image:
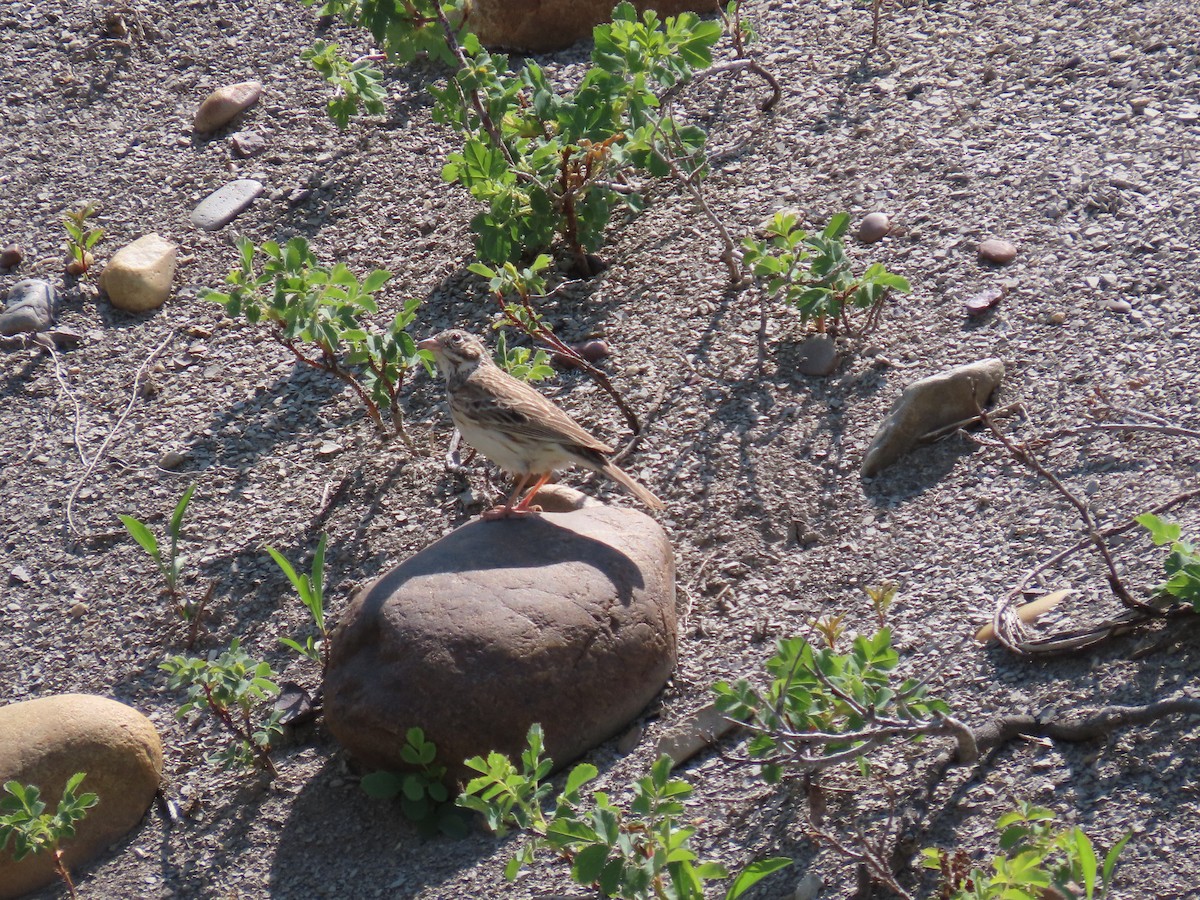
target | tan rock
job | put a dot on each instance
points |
(537, 25)
(44, 742)
(929, 404)
(997, 251)
(138, 277)
(222, 105)
(566, 619)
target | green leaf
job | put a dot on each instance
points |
(180, 509)
(579, 776)
(142, 535)
(589, 863)
(1085, 855)
(381, 785)
(375, 281)
(1110, 860)
(1161, 531)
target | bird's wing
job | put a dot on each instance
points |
(520, 410)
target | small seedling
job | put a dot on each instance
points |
(81, 238)
(638, 851)
(234, 688)
(424, 798)
(1182, 565)
(311, 588)
(813, 274)
(1036, 859)
(831, 629)
(25, 822)
(882, 598)
(521, 362)
(170, 566)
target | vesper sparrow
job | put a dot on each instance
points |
(514, 426)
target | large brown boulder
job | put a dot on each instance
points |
(44, 742)
(538, 25)
(567, 619)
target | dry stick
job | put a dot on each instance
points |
(873, 859)
(533, 327)
(691, 183)
(49, 345)
(939, 433)
(103, 448)
(1087, 726)
(1027, 459)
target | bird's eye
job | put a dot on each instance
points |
(456, 338)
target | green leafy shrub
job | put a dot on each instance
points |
(25, 823)
(424, 797)
(523, 363)
(1182, 564)
(1036, 859)
(543, 160)
(235, 689)
(305, 303)
(170, 564)
(822, 708)
(355, 83)
(639, 852)
(814, 274)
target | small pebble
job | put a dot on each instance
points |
(172, 459)
(1114, 305)
(329, 448)
(11, 256)
(874, 227)
(247, 143)
(78, 610)
(76, 267)
(1057, 318)
(983, 301)
(997, 251)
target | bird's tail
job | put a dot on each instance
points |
(627, 481)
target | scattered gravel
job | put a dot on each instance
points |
(1072, 130)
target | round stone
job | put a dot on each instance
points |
(997, 251)
(566, 619)
(874, 227)
(44, 742)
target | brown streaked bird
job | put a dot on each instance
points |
(514, 426)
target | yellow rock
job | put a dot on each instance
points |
(138, 277)
(44, 742)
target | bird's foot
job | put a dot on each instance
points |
(509, 512)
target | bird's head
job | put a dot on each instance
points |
(457, 353)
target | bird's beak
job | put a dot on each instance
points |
(431, 344)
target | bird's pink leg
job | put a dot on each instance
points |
(523, 506)
(506, 509)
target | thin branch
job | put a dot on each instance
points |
(49, 345)
(1023, 455)
(103, 448)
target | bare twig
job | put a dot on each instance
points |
(1024, 456)
(49, 346)
(103, 448)
(1086, 726)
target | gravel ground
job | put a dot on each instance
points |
(1071, 129)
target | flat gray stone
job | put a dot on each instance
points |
(30, 307)
(224, 205)
(929, 404)
(566, 619)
